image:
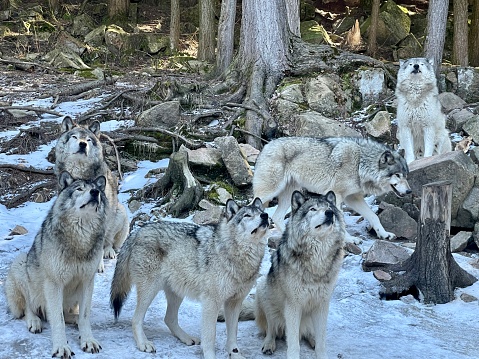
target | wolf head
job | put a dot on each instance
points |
(418, 70)
(78, 141)
(81, 196)
(250, 220)
(314, 214)
(393, 169)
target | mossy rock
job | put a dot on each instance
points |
(314, 33)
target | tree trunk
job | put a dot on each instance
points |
(226, 31)
(175, 25)
(118, 8)
(460, 55)
(54, 6)
(206, 41)
(436, 31)
(373, 29)
(292, 9)
(263, 57)
(431, 269)
(474, 35)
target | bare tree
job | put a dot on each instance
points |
(474, 35)
(118, 8)
(373, 28)
(206, 41)
(436, 31)
(175, 25)
(226, 31)
(460, 52)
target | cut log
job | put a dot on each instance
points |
(178, 185)
(431, 269)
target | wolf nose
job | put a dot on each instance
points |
(416, 67)
(329, 214)
(94, 193)
(264, 215)
(408, 191)
(82, 145)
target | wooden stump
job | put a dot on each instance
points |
(177, 185)
(431, 269)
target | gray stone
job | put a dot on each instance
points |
(468, 213)
(397, 221)
(313, 124)
(211, 215)
(166, 115)
(471, 127)
(380, 125)
(96, 37)
(468, 83)
(249, 152)
(18, 231)
(450, 101)
(205, 156)
(458, 118)
(468, 298)
(460, 241)
(384, 253)
(407, 48)
(292, 93)
(323, 94)
(82, 25)
(371, 85)
(235, 161)
(223, 195)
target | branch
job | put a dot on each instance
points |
(26, 169)
(35, 109)
(189, 143)
(118, 163)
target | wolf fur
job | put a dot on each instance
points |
(293, 299)
(79, 151)
(217, 265)
(57, 273)
(421, 123)
(351, 167)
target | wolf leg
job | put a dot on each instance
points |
(171, 318)
(54, 308)
(292, 316)
(34, 323)
(284, 202)
(210, 309)
(357, 203)
(320, 318)
(232, 310)
(87, 342)
(429, 140)
(406, 141)
(145, 295)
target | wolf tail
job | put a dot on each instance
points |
(121, 282)
(16, 302)
(247, 311)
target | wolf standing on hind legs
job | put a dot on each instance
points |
(351, 167)
(421, 123)
(79, 151)
(217, 265)
(57, 273)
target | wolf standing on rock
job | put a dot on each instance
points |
(79, 151)
(421, 123)
(57, 274)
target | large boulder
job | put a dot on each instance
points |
(234, 160)
(166, 115)
(313, 124)
(468, 83)
(325, 95)
(371, 83)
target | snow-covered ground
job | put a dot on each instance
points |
(360, 325)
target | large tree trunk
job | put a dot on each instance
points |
(474, 35)
(460, 55)
(226, 31)
(175, 25)
(292, 9)
(263, 57)
(373, 28)
(118, 8)
(206, 41)
(436, 31)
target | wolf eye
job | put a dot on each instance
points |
(313, 209)
(247, 215)
(75, 137)
(89, 139)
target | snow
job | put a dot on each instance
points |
(360, 325)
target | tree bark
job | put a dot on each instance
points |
(292, 9)
(226, 31)
(118, 8)
(431, 269)
(460, 55)
(474, 35)
(436, 31)
(206, 41)
(373, 29)
(175, 25)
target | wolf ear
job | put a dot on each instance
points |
(101, 182)
(297, 200)
(258, 204)
(430, 60)
(402, 153)
(65, 180)
(95, 128)
(331, 197)
(401, 62)
(67, 124)
(387, 158)
(231, 209)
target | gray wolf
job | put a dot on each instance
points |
(421, 123)
(216, 264)
(351, 167)
(293, 299)
(56, 276)
(79, 151)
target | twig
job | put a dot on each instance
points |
(235, 128)
(189, 143)
(35, 109)
(118, 163)
(23, 63)
(26, 194)
(258, 110)
(26, 169)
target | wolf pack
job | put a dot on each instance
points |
(219, 264)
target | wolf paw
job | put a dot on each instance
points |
(191, 341)
(269, 347)
(101, 267)
(235, 354)
(63, 352)
(147, 347)
(109, 253)
(352, 239)
(382, 234)
(34, 325)
(90, 345)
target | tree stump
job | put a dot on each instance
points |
(431, 269)
(177, 185)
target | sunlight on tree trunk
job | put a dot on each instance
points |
(206, 40)
(175, 25)
(292, 9)
(436, 31)
(373, 29)
(474, 35)
(226, 33)
(460, 46)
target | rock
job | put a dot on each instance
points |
(381, 275)
(82, 25)
(154, 42)
(450, 101)
(223, 195)
(469, 209)
(468, 83)
(380, 125)
(205, 156)
(18, 231)
(166, 115)
(66, 41)
(292, 92)
(58, 59)
(458, 118)
(372, 85)
(211, 215)
(249, 152)
(134, 205)
(116, 40)
(384, 253)
(21, 113)
(96, 37)
(324, 95)
(467, 298)
(397, 221)
(407, 48)
(313, 124)
(314, 33)
(471, 127)
(352, 248)
(460, 241)
(235, 161)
